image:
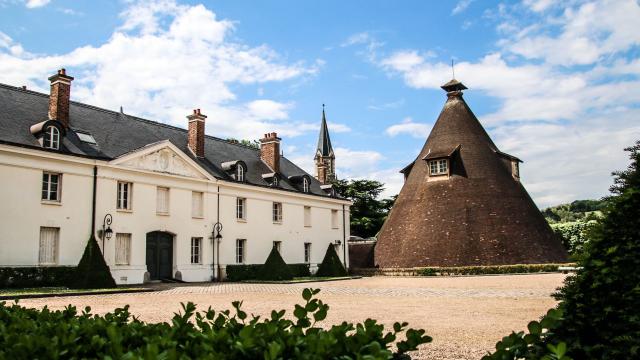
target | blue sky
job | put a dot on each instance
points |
(554, 82)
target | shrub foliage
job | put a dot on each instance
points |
(598, 316)
(92, 271)
(331, 265)
(495, 269)
(236, 272)
(275, 268)
(40, 276)
(45, 334)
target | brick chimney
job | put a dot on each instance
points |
(59, 97)
(196, 132)
(270, 151)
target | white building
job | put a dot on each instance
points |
(65, 165)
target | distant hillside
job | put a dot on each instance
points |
(579, 210)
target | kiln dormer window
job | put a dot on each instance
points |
(439, 167)
(240, 173)
(51, 138)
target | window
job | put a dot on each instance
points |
(334, 219)
(307, 216)
(49, 238)
(439, 167)
(124, 195)
(276, 245)
(277, 212)
(307, 252)
(241, 208)
(240, 172)
(305, 185)
(275, 181)
(240, 250)
(51, 138)
(515, 169)
(51, 186)
(196, 250)
(197, 204)
(88, 138)
(123, 249)
(162, 200)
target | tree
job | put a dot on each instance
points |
(368, 213)
(597, 317)
(275, 268)
(254, 144)
(92, 271)
(331, 265)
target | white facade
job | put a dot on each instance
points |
(24, 216)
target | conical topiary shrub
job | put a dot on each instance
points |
(331, 264)
(92, 271)
(275, 268)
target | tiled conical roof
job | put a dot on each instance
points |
(479, 214)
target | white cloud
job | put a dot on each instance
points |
(368, 42)
(353, 163)
(461, 6)
(178, 57)
(539, 5)
(32, 4)
(358, 38)
(338, 128)
(385, 106)
(408, 127)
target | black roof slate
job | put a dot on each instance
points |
(117, 133)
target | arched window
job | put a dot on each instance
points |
(240, 173)
(51, 138)
(275, 180)
(305, 185)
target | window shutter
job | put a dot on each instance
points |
(162, 205)
(48, 245)
(123, 248)
(196, 204)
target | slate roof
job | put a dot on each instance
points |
(117, 133)
(480, 215)
(324, 142)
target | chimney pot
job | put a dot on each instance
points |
(196, 132)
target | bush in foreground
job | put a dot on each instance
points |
(275, 268)
(331, 264)
(45, 334)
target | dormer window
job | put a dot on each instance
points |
(439, 167)
(305, 185)
(240, 173)
(51, 138)
(275, 181)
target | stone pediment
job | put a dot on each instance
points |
(166, 159)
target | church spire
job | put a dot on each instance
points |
(325, 158)
(324, 142)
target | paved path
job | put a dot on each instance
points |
(464, 315)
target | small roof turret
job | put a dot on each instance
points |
(453, 85)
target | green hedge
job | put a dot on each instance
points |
(274, 268)
(496, 269)
(27, 333)
(42, 276)
(331, 264)
(251, 271)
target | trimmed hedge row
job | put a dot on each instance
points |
(495, 269)
(42, 276)
(251, 271)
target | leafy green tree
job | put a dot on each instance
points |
(368, 212)
(255, 144)
(597, 317)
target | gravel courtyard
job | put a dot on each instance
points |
(464, 315)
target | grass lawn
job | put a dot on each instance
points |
(59, 290)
